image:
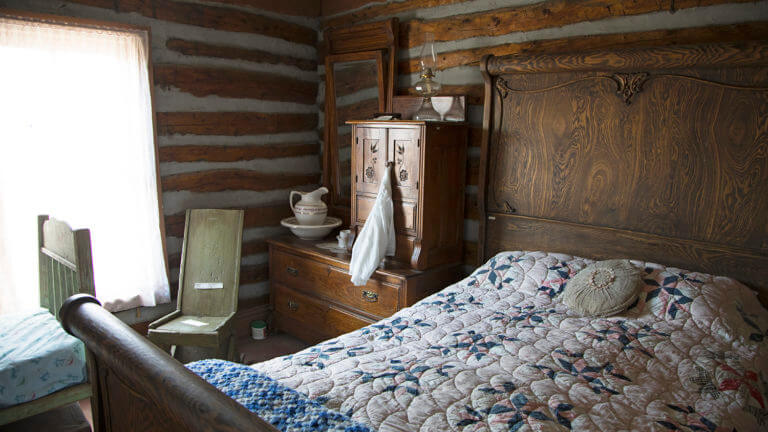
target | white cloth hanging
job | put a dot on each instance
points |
(377, 238)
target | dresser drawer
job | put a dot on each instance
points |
(376, 298)
(320, 317)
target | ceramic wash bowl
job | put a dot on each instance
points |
(311, 232)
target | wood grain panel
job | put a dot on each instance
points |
(215, 17)
(234, 83)
(524, 233)
(217, 153)
(547, 14)
(373, 11)
(255, 217)
(695, 35)
(233, 123)
(202, 49)
(234, 179)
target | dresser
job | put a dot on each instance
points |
(313, 299)
(428, 162)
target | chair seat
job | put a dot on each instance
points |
(191, 324)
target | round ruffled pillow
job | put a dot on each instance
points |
(603, 288)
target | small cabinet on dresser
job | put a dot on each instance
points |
(428, 179)
(313, 299)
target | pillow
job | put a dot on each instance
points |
(603, 288)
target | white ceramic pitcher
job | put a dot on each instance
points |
(310, 210)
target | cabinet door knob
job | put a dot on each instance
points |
(292, 305)
(292, 271)
(370, 297)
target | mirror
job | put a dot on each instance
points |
(355, 90)
(359, 81)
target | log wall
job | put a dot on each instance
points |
(467, 30)
(236, 98)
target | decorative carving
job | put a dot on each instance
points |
(403, 175)
(369, 172)
(629, 84)
(374, 146)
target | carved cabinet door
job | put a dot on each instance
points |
(370, 158)
(403, 149)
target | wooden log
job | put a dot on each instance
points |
(202, 49)
(357, 111)
(234, 179)
(686, 36)
(233, 123)
(214, 17)
(254, 247)
(285, 7)
(374, 11)
(233, 83)
(268, 215)
(217, 153)
(250, 274)
(547, 14)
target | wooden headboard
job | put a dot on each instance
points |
(658, 154)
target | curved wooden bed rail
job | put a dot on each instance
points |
(144, 389)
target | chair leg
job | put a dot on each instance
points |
(231, 351)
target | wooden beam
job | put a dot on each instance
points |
(233, 123)
(307, 8)
(373, 11)
(547, 14)
(254, 247)
(202, 49)
(235, 179)
(214, 17)
(255, 217)
(233, 83)
(695, 35)
(216, 153)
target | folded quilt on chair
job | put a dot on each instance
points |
(283, 407)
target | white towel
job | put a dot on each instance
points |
(377, 238)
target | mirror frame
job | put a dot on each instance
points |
(363, 41)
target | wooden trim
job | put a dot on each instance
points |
(286, 7)
(202, 49)
(547, 14)
(236, 123)
(628, 59)
(72, 21)
(235, 179)
(214, 17)
(204, 81)
(685, 36)
(216, 153)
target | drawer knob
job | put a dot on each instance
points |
(292, 305)
(292, 271)
(370, 297)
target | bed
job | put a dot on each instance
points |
(655, 154)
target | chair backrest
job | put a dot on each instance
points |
(209, 278)
(64, 263)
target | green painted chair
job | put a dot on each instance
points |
(208, 285)
(66, 268)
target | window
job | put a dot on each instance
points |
(77, 143)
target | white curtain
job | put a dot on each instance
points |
(76, 143)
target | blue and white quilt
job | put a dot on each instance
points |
(37, 357)
(499, 351)
(283, 407)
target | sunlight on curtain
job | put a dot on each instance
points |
(76, 143)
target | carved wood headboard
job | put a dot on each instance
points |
(658, 154)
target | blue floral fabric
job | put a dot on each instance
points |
(283, 407)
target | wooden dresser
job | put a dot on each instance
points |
(428, 180)
(313, 299)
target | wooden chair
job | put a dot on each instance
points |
(208, 285)
(66, 268)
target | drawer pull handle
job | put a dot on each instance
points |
(370, 297)
(292, 305)
(292, 271)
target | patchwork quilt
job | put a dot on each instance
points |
(500, 351)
